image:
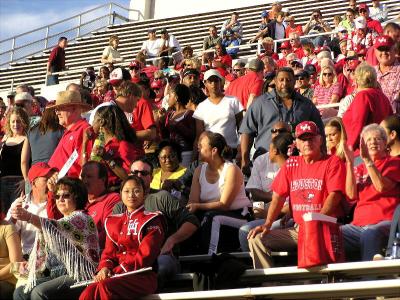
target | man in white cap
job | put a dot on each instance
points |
(69, 108)
(246, 88)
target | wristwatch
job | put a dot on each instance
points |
(112, 164)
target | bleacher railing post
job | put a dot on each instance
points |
(46, 40)
(110, 14)
(78, 31)
(12, 49)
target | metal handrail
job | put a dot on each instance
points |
(111, 15)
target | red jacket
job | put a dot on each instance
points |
(133, 241)
(369, 106)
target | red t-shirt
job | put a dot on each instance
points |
(122, 152)
(226, 60)
(369, 106)
(298, 29)
(372, 206)
(242, 87)
(371, 57)
(99, 210)
(299, 52)
(375, 26)
(71, 140)
(308, 185)
(282, 62)
(143, 117)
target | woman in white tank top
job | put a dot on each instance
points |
(217, 194)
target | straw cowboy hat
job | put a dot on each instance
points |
(65, 98)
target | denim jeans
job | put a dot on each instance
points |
(168, 267)
(45, 289)
(367, 240)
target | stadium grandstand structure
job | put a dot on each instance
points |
(189, 30)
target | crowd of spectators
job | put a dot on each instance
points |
(184, 154)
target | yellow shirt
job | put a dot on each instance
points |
(6, 232)
(156, 182)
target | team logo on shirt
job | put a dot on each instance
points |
(132, 226)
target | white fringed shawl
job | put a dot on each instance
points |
(73, 240)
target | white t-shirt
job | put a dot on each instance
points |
(152, 47)
(262, 173)
(172, 42)
(26, 230)
(279, 31)
(221, 117)
(110, 53)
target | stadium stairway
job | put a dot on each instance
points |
(189, 30)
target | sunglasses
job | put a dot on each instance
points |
(64, 196)
(327, 74)
(362, 11)
(134, 68)
(300, 78)
(278, 130)
(141, 172)
(350, 70)
(272, 86)
(237, 70)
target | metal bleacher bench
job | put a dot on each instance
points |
(389, 287)
(332, 273)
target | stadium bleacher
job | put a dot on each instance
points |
(189, 30)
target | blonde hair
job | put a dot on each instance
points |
(321, 76)
(112, 39)
(159, 73)
(365, 76)
(193, 62)
(22, 115)
(337, 123)
(128, 88)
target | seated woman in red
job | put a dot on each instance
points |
(133, 242)
(112, 141)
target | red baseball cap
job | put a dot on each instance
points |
(308, 127)
(384, 41)
(363, 6)
(285, 45)
(156, 84)
(40, 169)
(135, 63)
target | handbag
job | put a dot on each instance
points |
(320, 241)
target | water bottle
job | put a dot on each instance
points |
(396, 247)
(97, 146)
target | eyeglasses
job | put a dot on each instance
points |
(170, 157)
(63, 196)
(141, 172)
(237, 70)
(278, 130)
(300, 78)
(327, 74)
